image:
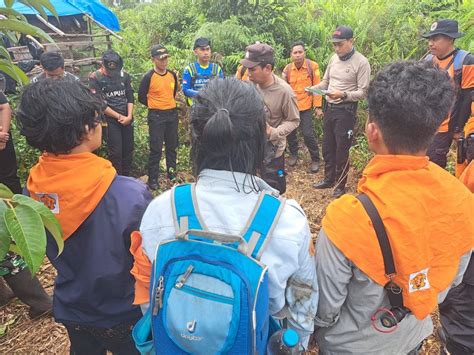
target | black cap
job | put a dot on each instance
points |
(342, 33)
(257, 53)
(112, 61)
(201, 42)
(444, 27)
(159, 51)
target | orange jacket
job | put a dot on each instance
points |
(427, 215)
(301, 78)
(242, 73)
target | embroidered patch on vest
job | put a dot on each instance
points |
(50, 200)
(419, 281)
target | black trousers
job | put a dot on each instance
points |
(274, 173)
(338, 133)
(439, 148)
(8, 168)
(90, 340)
(307, 130)
(457, 315)
(120, 145)
(162, 127)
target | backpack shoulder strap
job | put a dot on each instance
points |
(192, 69)
(287, 71)
(186, 215)
(261, 223)
(243, 70)
(459, 59)
(395, 295)
(214, 69)
(309, 67)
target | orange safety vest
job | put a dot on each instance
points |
(299, 79)
(427, 215)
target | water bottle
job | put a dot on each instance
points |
(284, 342)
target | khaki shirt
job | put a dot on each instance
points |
(347, 300)
(351, 76)
(282, 112)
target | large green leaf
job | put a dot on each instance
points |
(26, 228)
(5, 238)
(4, 53)
(48, 218)
(12, 70)
(5, 192)
(23, 27)
(8, 12)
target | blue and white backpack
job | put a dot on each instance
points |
(209, 291)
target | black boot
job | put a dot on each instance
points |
(29, 290)
(6, 295)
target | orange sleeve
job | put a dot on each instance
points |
(318, 99)
(141, 269)
(467, 76)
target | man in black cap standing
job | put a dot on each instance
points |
(346, 80)
(459, 64)
(197, 74)
(157, 92)
(283, 116)
(113, 85)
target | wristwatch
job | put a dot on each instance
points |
(344, 95)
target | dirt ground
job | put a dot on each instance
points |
(44, 335)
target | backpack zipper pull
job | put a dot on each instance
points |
(185, 277)
(159, 295)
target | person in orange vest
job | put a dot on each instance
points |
(387, 257)
(242, 73)
(457, 311)
(459, 64)
(300, 74)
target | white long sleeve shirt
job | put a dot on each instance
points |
(225, 203)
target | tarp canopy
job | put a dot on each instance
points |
(94, 8)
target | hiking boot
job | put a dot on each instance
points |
(314, 167)
(323, 185)
(292, 160)
(153, 184)
(6, 295)
(338, 192)
(29, 290)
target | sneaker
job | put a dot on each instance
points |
(314, 167)
(153, 184)
(292, 160)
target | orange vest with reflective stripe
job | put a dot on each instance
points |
(427, 215)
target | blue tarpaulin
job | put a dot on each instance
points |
(94, 8)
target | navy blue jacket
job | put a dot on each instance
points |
(94, 285)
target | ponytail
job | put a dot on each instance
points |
(218, 132)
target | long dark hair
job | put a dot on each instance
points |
(228, 128)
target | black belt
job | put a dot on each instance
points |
(151, 110)
(342, 104)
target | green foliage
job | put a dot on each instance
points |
(385, 31)
(22, 228)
